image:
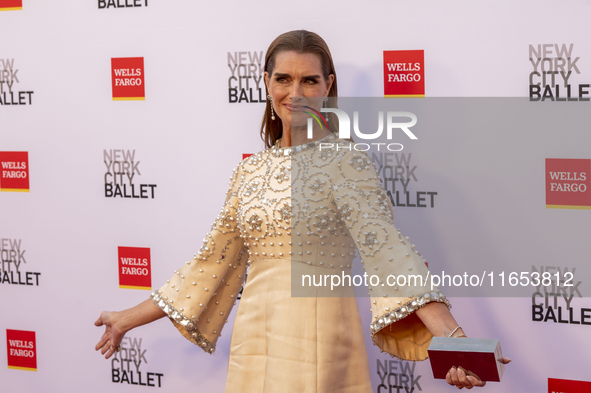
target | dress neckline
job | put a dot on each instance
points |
(304, 146)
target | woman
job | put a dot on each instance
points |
(294, 211)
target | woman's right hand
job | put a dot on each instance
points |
(118, 323)
(112, 336)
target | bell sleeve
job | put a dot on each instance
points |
(200, 295)
(388, 258)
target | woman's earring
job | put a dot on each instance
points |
(271, 105)
(324, 101)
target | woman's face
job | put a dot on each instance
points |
(296, 81)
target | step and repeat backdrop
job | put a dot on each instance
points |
(121, 122)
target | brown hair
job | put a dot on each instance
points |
(300, 41)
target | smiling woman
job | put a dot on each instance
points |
(294, 211)
(295, 87)
(299, 72)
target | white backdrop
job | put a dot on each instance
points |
(188, 138)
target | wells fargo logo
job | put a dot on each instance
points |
(134, 268)
(127, 76)
(404, 73)
(14, 171)
(568, 386)
(11, 5)
(568, 183)
(21, 350)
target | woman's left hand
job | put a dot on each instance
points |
(458, 378)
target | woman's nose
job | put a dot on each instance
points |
(296, 92)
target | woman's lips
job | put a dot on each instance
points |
(294, 108)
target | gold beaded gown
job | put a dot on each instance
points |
(293, 213)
